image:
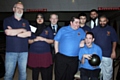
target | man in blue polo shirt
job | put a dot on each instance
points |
(17, 32)
(67, 48)
(106, 38)
(86, 70)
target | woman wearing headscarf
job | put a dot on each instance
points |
(40, 58)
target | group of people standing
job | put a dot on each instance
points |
(73, 46)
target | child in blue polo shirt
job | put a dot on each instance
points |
(86, 70)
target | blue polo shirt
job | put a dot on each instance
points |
(104, 38)
(41, 47)
(14, 43)
(86, 28)
(95, 49)
(69, 40)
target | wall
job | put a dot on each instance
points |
(59, 5)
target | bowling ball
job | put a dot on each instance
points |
(95, 60)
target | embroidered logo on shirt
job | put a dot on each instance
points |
(108, 33)
(46, 32)
(78, 33)
(23, 24)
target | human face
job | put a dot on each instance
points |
(103, 21)
(93, 15)
(82, 19)
(53, 19)
(75, 24)
(18, 10)
(89, 40)
(39, 19)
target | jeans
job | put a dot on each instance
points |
(106, 68)
(86, 74)
(11, 59)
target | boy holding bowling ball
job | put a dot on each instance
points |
(87, 71)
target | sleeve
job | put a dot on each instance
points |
(83, 35)
(81, 53)
(5, 24)
(28, 26)
(114, 36)
(32, 36)
(50, 33)
(100, 53)
(58, 35)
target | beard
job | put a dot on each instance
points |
(18, 14)
(93, 18)
(103, 26)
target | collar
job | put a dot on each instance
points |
(53, 25)
(90, 47)
(16, 19)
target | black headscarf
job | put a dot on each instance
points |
(40, 27)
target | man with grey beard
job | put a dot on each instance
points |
(17, 31)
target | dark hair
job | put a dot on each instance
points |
(73, 18)
(82, 14)
(90, 34)
(40, 15)
(103, 16)
(94, 10)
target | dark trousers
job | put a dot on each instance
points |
(65, 67)
(46, 73)
(86, 74)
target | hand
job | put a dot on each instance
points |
(82, 43)
(7, 31)
(88, 56)
(113, 55)
(40, 38)
(23, 30)
(9, 27)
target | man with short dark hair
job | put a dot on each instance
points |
(93, 19)
(17, 31)
(83, 18)
(106, 38)
(66, 45)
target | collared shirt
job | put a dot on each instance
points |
(95, 49)
(55, 26)
(104, 37)
(41, 47)
(86, 28)
(69, 40)
(92, 23)
(14, 43)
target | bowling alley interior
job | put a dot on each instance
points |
(65, 9)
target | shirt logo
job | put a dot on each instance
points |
(46, 32)
(23, 24)
(78, 33)
(108, 33)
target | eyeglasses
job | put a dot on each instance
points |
(19, 8)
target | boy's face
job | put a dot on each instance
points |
(89, 40)
(82, 19)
